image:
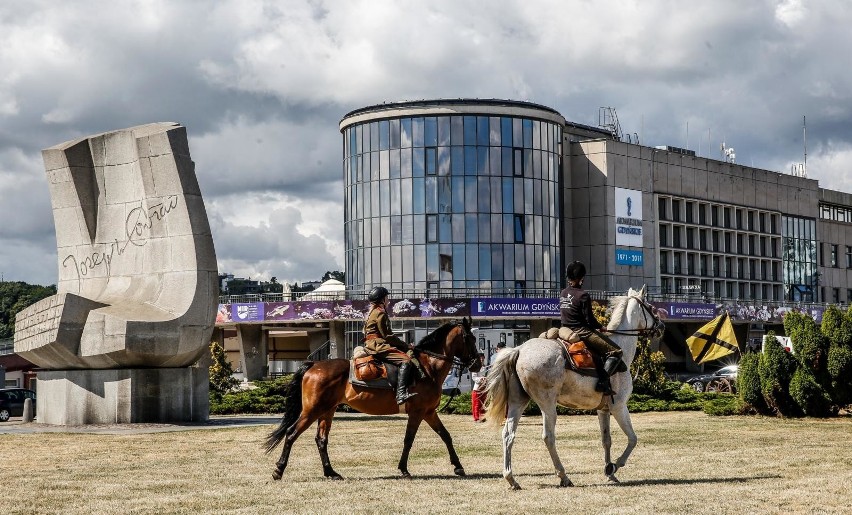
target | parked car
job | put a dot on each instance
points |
(722, 380)
(12, 402)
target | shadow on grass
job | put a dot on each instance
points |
(695, 481)
(418, 477)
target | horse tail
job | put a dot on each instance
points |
(500, 375)
(292, 407)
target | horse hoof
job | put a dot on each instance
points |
(459, 471)
(335, 477)
(406, 475)
(515, 486)
(564, 483)
(613, 479)
(276, 476)
(610, 469)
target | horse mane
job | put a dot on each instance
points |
(619, 308)
(435, 338)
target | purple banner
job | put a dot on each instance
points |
(685, 310)
(250, 312)
(331, 309)
(768, 312)
(426, 308)
(507, 307)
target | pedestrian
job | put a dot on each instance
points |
(477, 394)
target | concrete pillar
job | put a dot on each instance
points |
(337, 335)
(252, 351)
(28, 410)
(539, 326)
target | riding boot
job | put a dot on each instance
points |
(609, 367)
(403, 381)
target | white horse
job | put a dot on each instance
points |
(537, 370)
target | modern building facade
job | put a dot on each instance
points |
(457, 206)
(453, 195)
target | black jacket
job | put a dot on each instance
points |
(575, 306)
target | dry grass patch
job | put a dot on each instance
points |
(684, 463)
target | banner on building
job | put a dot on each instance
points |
(629, 257)
(628, 217)
(685, 310)
(507, 307)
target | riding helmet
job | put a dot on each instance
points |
(576, 271)
(377, 294)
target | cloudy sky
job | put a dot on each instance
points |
(261, 87)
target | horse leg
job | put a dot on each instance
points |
(323, 428)
(622, 417)
(510, 428)
(414, 420)
(438, 426)
(548, 419)
(299, 427)
(606, 442)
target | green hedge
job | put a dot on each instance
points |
(266, 398)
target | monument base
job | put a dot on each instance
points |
(120, 396)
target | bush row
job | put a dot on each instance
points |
(267, 397)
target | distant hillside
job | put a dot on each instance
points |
(15, 296)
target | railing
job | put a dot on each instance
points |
(320, 353)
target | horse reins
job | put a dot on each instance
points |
(656, 328)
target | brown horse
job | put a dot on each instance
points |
(317, 389)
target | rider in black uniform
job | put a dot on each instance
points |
(575, 306)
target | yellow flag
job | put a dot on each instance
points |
(714, 340)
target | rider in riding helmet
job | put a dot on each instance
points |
(380, 341)
(575, 306)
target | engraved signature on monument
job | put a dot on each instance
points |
(137, 228)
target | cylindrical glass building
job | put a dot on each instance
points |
(460, 194)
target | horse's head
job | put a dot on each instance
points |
(456, 342)
(633, 313)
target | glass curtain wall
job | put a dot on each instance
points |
(799, 258)
(461, 202)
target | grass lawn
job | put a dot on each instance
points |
(685, 462)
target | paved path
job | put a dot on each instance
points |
(17, 426)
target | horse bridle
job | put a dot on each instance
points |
(456, 360)
(657, 328)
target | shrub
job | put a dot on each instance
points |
(724, 405)
(809, 344)
(776, 367)
(647, 368)
(221, 372)
(748, 381)
(839, 368)
(810, 396)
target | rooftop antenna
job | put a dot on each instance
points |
(801, 169)
(728, 153)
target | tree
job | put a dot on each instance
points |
(221, 372)
(16, 296)
(340, 276)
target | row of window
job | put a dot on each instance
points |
(683, 237)
(705, 265)
(467, 160)
(835, 295)
(835, 213)
(445, 131)
(451, 195)
(451, 228)
(729, 217)
(455, 265)
(834, 256)
(729, 289)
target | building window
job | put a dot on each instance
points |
(848, 256)
(431, 228)
(834, 256)
(727, 217)
(431, 160)
(664, 262)
(446, 263)
(836, 295)
(519, 228)
(518, 162)
(689, 212)
(664, 233)
(702, 214)
(714, 218)
(676, 237)
(662, 208)
(676, 210)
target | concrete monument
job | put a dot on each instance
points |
(137, 289)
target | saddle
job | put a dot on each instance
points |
(367, 371)
(578, 357)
